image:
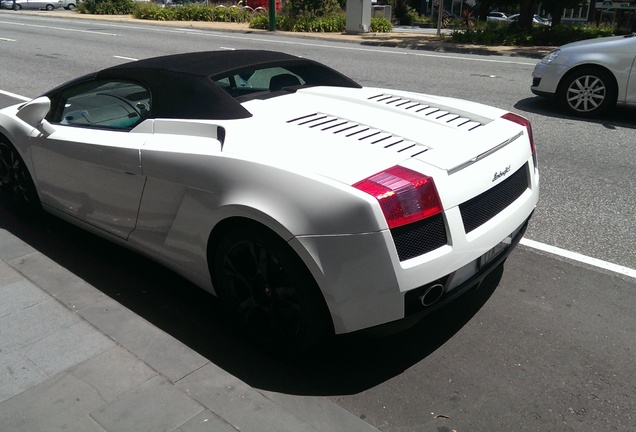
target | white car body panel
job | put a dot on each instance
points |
(97, 180)
(164, 186)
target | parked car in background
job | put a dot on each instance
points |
(30, 4)
(589, 77)
(496, 16)
(536, 20)
(70, 4)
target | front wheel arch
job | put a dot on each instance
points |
(596, 108)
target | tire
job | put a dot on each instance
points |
(588, 92)
(265, 284)
(17, 7)
(49, 7)
(16, 184)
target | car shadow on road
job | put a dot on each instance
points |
(623, 117)
(343, 365)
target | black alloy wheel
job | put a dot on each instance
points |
(262, 280)
(588, 92)
(16, 184)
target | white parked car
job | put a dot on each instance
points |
(496, 16)
(589, 77)
(536, 20)
(307, 203)
(31, 4)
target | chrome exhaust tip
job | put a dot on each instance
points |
(432, 295)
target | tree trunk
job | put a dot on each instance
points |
(527, 10)
(557, 14)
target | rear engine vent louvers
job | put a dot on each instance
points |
(360, 132)
(429, 112)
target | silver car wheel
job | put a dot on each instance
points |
(588, 92)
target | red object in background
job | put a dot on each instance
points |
(262, 3)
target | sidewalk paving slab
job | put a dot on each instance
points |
(73, 359)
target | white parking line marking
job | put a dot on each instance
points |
(15, 96)
(60, 28)
(626, 271)
(7, 40)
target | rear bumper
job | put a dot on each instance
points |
(418, 313)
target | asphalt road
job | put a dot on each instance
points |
(551, 349)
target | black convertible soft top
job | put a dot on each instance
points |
(212, 63)
(182, 85)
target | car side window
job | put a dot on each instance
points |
(117, 105)
(259, 80)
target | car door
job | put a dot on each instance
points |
(35, 4)
(88, 166)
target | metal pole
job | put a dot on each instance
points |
(272, 15)
(439, 17)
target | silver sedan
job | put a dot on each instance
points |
(589, 77)
(30, 4)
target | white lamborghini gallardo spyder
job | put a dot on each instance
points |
(307, 203)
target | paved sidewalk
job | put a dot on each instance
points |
(73, 359)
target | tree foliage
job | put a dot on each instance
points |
(313, 7)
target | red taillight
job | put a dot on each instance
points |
(405, 196)
(516, 118)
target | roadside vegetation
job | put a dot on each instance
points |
(299, 15)
(329, 16)
(493, 33)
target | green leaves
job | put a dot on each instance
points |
(510, 34)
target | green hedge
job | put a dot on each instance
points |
(106, 7)
(191, 12)
(511, 34)
(303, 22)
(333, 23)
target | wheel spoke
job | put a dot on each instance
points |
(586, 93)
(261, 290)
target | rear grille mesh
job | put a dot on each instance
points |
(433, 113)
(420, 237)
(487, 205)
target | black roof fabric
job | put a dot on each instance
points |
(182, 85)
(210, 63)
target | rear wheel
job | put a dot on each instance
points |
(49, 7)
(17, 7)
(16, 184)
(261, 279)
(588, 92)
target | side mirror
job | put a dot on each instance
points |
(34, 112)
